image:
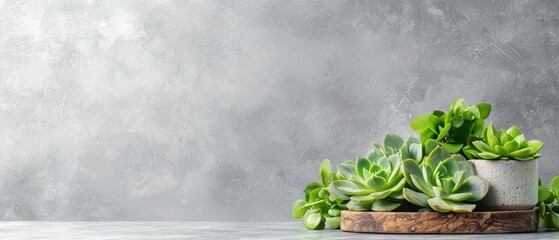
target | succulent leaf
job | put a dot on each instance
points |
(383, 205)
(441, 205)
(475, 185)
(314, 221)
(325, 171)
(484, 110)
(393, 141)
(417, 198)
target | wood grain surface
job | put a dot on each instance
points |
(434, 222)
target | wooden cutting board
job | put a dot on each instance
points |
(434, 222)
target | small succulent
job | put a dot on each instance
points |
(503, 145)
(376, 182)
(319, 207)
(443, 182)
(453, 129)
(548, 202)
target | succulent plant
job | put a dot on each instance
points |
(376, 182)
(503, 145)
(443, 182)
(548, 202)
(453, 129)
(319, 207)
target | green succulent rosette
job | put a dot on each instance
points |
(376, 182)
(503, 145)
(443, 182)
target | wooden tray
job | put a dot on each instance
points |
(434, 222)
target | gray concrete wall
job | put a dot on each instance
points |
(222, 110)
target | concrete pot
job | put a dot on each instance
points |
(513, 185)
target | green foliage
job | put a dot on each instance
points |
(376, 182)
(319, 207)
(548, 202)
(503, 145)
(454, 129)
(443, 182)
(429, 171)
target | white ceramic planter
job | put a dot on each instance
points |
(513, 185)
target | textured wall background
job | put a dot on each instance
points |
(222, 110)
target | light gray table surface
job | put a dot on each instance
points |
(210, 230)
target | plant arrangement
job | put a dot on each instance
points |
(437, 171)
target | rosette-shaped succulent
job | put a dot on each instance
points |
(548, 202)
(319, 207)
(443, 182)
(503, 145)
(453, 129)
(376, 182)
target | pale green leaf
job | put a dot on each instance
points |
(441, 205)
(554, 182)
(521, 153)
(360, 164)
(430, 145)
(474, 110)
(457, 122)
(475, 185)
(459, 197)
(417, 198)
(521, 140)
(488, 155)
(437, 156)
(422, 185)
(511, 146)
(484, 110)
(393, 141)
(452, 147)
(333, 222)
(514, 131)
(336, 193)
(352, 188)
(376, 183)
(325, 172)
(314, 221)
(415, 152)
(410, 167)
(297, 209)
(358, 206)
(534, 145)
(384, 205)
(419, 122)
(500, 150)
(482, 147)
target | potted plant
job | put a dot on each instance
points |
(449, 179)
(507, 161)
